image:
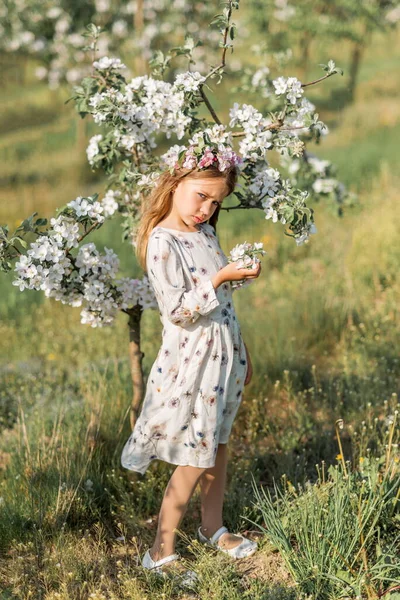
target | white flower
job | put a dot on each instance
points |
(319, 166)
(294, 89)
(280, 85)
(65, 231)
(189, 81)
(95, 212)
(245, 256)
(105, 64)
(324, 186)
(109, 204)
(170, 158)
(266, 182)
(257, 138)
(271, 213)
(149, 180)
(290, 86)
(85, 207)
(93, 148)
(80, 206)
(45, 248)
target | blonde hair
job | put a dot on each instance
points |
(157, 205)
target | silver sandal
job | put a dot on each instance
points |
(243, 550)
(187, 579)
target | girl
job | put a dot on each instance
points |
(195, 384)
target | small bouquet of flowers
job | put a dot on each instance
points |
(245, 256)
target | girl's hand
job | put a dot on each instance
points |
(249, 373)
(231, 273)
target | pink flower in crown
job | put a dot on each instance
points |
(190, 161)
(207, 159)
(227, 157)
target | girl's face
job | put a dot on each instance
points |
(195, 200)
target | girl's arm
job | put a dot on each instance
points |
(180, 305)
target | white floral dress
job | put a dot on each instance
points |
(195, 385)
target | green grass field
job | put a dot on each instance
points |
(322, 326)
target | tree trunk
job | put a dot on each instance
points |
(138, 24)
(135, 358)
(356, 56)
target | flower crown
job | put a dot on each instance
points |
(201, 155)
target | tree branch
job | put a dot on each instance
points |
(317, 80)
(87, 232)
(210, 108)
(217, 68)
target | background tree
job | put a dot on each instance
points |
(292, 27)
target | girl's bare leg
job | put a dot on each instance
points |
(212, 485)
(178, 492)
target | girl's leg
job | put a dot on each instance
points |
(178, 492)
(212, 484)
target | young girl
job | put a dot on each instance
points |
(195, 385)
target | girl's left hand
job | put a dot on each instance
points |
(249, 373)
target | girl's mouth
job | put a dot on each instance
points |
(198, 220)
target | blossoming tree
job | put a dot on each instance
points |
(137, 117)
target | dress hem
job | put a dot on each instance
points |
(142, 470)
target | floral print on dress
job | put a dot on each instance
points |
(195, 385)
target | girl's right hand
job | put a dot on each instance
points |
(231, 273)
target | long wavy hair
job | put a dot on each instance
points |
(157, 205)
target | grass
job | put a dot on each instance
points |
(322, 326)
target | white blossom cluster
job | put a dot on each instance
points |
(290, 87)
(88, 279)
(297, 118)
(265, 183)
(189, 81)
(171, 157)
(256, 141)
(276, 207)
(245, 256)
(109, 202)
(218, 134)
(146, 106)
(84, 207)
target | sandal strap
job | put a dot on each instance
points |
(214, 538)
(164, 561)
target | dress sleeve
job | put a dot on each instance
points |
(181, 305)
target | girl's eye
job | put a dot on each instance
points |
(215, 201)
